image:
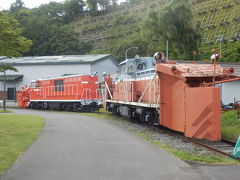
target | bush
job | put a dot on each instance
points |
(230, 51)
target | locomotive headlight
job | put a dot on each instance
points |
(137, 57)
(104, 74)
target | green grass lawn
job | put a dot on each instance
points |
(6, 111)
(17, 132)
(230, 122)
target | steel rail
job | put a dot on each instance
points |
(205, 145)
(232, 143)
(214, 149)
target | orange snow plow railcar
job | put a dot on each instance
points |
(178, 96)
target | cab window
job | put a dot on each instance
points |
(59, 85)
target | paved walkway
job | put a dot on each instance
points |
(74, 147)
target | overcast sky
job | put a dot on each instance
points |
(5, 4)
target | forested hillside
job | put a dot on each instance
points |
(217, 21)
(103, 26)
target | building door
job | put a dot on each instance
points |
(11, 94)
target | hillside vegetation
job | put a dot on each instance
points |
(218, 21)
(190, 27)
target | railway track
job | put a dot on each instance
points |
(224, 147)
(228, 142)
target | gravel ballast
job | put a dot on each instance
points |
(158, 134)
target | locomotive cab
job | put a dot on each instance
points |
(131, 96)
(134, 67)
(34, 84)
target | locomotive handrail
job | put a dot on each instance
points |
(86, 90)
(126, 90)
(219, 82)
(49, 91)
(42, 93)
(132, 91)
(108, 89)
(145, 90)
(89, 92)
(99, 92)
(38, 93)
(146, 71)
(77, 93)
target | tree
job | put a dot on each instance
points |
(172, 22)
(92, 4)
(134, 2)
(133, 40)
(11, 41)
(17, 6)
(104, 4)
(73, 8)
(3, 69)
(46, 27)
(51, 10)
(114, 3)
(50, 36)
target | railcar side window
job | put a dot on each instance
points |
(59, 85)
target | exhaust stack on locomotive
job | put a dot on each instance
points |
(172, 95)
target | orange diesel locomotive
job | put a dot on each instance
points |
(73, 93)
(178, 96)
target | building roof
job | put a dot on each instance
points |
(63, 59)
(17, 77)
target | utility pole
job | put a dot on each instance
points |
(220, 39)
(167, 49)
(4, 90)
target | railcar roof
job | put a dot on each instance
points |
(61, 77)
(134, 59)
(225, 65)
(197, 70)
(63, 59)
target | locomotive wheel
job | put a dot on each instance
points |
(45, 106)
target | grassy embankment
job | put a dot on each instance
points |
(214, 159)
(17, 132)
(230, 125)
